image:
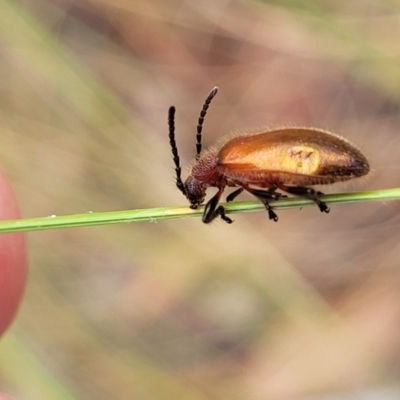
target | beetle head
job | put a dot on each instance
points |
(195, 191)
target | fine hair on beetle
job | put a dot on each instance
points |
(289, 159)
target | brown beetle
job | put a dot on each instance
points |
(289, 159)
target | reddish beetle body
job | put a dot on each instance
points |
(289, 159)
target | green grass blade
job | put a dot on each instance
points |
(156, 214)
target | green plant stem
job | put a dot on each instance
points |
(156, 214)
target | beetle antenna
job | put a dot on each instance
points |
(203, 113)
(174, 148)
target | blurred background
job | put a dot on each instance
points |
(307, 308)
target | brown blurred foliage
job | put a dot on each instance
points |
(309, 306)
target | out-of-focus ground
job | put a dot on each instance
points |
(306, 308)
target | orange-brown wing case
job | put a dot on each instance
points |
(300, 156)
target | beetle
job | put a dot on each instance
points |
(288, 159)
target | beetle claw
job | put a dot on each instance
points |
(221, 212)
(272, 215)
(323, 207)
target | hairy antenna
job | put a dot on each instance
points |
(174, 149)
(203, 113)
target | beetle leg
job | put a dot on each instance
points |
(271, 192)
(212, 210)
(309, 193)
(220, 210)
(234, 194)
(265, 196)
